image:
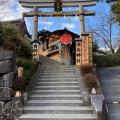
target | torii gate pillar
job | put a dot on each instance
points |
(81, 18)
(35, 24)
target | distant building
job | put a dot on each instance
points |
(100, 52)
(41, 34)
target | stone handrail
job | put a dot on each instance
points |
(34, 79)
(82, 86)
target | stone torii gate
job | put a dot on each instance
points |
(50, 4)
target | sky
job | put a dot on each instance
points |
(14, 11)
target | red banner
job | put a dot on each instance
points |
(66, 38)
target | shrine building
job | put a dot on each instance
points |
(58, 45)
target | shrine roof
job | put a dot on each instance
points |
(61, 32)
(35, 41)
(43, 32)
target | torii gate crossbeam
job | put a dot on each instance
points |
(50, 3)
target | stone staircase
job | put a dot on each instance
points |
(57, 96)
(48, 61)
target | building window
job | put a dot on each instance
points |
(55, 47)
(35, 46)
(65, 47)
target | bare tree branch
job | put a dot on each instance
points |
(104, 29)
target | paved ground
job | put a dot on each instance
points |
(110, 83)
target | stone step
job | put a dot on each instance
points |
(58, 110)
(57, 74)
(58, 68)
(56, 92)
(56, 83)
(58, 71)
(58, 117)
(55, 97)
(58, 77)
(57, 88)
(48, 63)
(58, 80)
(55, 103)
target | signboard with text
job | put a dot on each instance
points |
(90, 48)
(85, 49)
(78, 52)
(57, 6)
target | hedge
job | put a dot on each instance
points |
(107, 61)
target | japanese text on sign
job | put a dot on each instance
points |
(78, 52)
(85, 50)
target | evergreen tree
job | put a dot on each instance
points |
(115, 8)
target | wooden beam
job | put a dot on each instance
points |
(72, 13)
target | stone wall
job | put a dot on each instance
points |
(9, 108)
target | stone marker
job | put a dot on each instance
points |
(7, 55)
(20, 71)
(7, 66)
(5, 93)
(8, 79)
(85, 98)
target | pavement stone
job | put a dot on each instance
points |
(110, 84)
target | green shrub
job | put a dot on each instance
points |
(29, 68)
(86, 68)
(90, 80)
(107, 61)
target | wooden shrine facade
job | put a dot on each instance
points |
(64, 46)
